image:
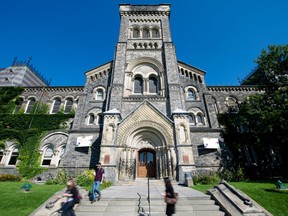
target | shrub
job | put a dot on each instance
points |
(61, 177)
(206, 179)
(10, 177)
(106, 183)
(231, 176)
(86, 178)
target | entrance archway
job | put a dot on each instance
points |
(146, 164)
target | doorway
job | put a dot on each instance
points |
(146, 163)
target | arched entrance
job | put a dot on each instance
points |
(146, 164)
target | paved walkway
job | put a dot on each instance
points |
(122, 199)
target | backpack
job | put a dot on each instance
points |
(78, 197)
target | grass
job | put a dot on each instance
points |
(263, 192)
(18, 203)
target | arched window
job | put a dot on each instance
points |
(68, 105)
(61, 153)
(30, 105)
(215, 105)
(145, 33)
(1, 154)
(99, 119)
(99, 94)
(155, 33)
(200, 80)
(136, 33)
(91, 119)
(48, 155)
(56, 106)
(191, 119)
(232, 104)
(19, 104)
(191, 94)
(200, 119)
(153, 85)
(13, 157)
(138, 85)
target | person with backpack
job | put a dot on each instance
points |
(99, 175)
(72, 195)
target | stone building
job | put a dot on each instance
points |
(145, 113)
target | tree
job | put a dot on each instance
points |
(261, 122)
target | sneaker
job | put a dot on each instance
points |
(99, 197)
(93, 201)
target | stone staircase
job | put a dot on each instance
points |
(129, 207)
(122, 199)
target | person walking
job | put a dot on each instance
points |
(72, 194)
(99, 175)
(169, 194)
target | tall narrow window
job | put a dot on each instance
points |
(191, 94)
(200, 120)
(19, 104)
(232, 104)
(153, 85)
(99, 119)
(13, 157)
(155, 33)
(191, 119)
(48, 155)
(1, 154)
(99, 94)
(145, 33)
(136, 33)
(56, 106)
(62, 152)
(30, 105)
(68, 105)
(138, 85)
(91, 119)
(215, 105)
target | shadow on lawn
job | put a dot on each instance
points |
(284, 192)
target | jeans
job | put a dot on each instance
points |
(67, 209)
(95, 188)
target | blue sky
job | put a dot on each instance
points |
(66, 38)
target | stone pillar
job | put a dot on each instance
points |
(184, 146)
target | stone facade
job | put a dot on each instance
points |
(145, 113)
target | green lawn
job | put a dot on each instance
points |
(264, 193)
(18, 203)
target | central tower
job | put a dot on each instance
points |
(145, 119)
(145, 65)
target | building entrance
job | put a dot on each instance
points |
(146, 163)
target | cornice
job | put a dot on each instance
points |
(145, 13)
(54, 89)
(233, 88)
(142, 98)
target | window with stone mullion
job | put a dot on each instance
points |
(56, 106)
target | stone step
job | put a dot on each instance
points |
(129, 207)
(187, 213)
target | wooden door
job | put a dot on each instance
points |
(146, 163)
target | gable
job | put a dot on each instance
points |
(145, 116)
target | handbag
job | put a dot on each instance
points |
(172, 201)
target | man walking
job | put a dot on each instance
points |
(99, 175)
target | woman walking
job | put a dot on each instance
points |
(170, 197)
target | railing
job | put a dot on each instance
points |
(141, 210)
